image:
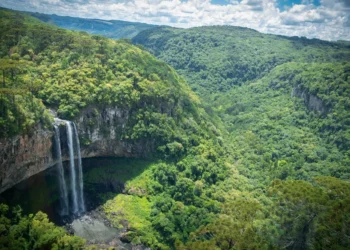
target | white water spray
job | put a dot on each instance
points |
(72, 166)
(60, 171)
(80, 172)
(75, 169)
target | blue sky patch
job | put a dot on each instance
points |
(281, 4)
(285, 4)
(220, 2)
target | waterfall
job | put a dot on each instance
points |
(60, 171)
(75, 169)
(72, 166)
(80, 172)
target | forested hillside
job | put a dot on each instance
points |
(292, 123)
(68, 71)
(214, 59)
(114, 29)
(284, 100)
(46, 67)
(261, 163)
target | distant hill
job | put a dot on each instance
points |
(281, 98)
(114, 29)
(214, 59)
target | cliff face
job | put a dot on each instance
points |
(311, 101)
(24, 156)
(100, 135)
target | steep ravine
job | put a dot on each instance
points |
(100, 131)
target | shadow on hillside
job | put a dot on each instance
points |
(103, 179)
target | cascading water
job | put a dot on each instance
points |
(72, 166)
(77, 191)
(60, 171)
(80, 172)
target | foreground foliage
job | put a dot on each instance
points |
(33, 232)
(300, 215)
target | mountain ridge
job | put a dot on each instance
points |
(115, 29)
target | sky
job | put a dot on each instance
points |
(323, 19)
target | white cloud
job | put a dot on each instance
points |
(329, 21)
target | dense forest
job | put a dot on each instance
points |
(216, 58)
(283, 100)
(258, 160)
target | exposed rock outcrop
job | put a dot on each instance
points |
(311, 101)
(24, 155)
(101, 135)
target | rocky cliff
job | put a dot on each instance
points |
(132, 102)
(311, 101)
(100, 132)
(24, 155)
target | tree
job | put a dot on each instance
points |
(33, 232)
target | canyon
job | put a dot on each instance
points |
(100, 133)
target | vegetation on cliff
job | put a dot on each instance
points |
(284, 100)
(69, 71)
(268, 183)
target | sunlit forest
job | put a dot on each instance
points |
(214, 137)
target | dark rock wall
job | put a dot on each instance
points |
(311, 101)
(25, 155)
(100, 132)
